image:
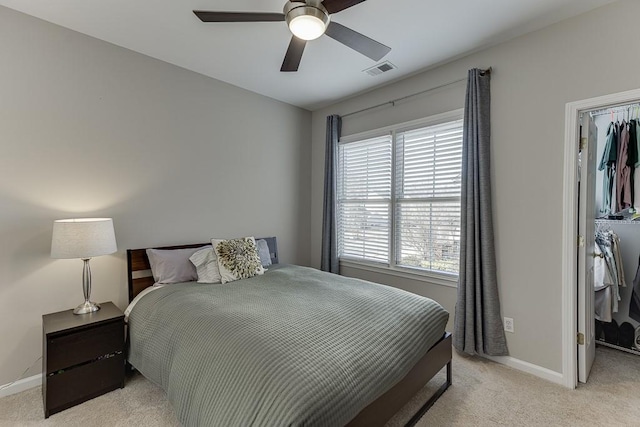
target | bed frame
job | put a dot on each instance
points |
(381, 409)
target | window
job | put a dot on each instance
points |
(364, 201)
(398, 197)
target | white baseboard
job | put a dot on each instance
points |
(21, 385)
(530, 368)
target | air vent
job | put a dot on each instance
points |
(378, 69)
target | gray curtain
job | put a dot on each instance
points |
(477, 325)
(329, 260)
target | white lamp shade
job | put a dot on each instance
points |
(83, 238)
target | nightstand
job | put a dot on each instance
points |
(82, 356)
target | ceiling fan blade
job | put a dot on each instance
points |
(356, 41)
(334, 6)
(208, 16)
(294, 54)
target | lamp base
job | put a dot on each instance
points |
(86, 307)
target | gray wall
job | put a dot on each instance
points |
(534, 77)
(91, 129)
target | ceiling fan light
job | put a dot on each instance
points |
(307, 21)
(307, 27)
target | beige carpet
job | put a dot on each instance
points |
(483, 394)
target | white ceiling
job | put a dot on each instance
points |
(421, 33)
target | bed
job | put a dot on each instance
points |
(294, 346)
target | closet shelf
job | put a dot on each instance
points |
(617, 221)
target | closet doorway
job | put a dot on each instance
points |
(601, 239)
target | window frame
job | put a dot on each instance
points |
(392, 268)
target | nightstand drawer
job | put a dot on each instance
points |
(82, 383)
(67, 350)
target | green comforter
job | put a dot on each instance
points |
(295, 346)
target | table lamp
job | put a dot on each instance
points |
(83, 238)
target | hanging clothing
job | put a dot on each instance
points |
(632, 157)
(602, 304)
(623, 171)
(602, 287)
(607, 164)
(637, 124)
(617, 255)
(634, 305)
(608, 274)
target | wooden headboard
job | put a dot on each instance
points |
(139, 270)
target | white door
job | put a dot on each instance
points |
(586, 249)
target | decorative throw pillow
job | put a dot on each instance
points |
(206, 263)
(172, 265)
(237, 258)
(263, 252)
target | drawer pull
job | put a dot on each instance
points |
(106, 356)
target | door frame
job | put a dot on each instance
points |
(570, 225)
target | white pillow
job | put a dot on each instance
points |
(206, 263)
(263, 252)
(237, 258)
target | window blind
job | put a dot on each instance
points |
(364, 199)
(398, 198)
(428, 184)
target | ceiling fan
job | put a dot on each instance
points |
(307, 20)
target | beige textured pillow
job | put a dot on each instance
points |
(206, 263)
(237, 258)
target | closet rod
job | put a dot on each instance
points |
(619, 109)
(393, 101)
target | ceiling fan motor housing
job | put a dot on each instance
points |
(306, 20)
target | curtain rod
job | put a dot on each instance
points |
(393, 101)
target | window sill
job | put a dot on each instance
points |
(447, 280)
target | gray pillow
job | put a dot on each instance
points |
(263, 252)
(173, 265)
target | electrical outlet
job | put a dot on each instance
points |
(508, 324)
